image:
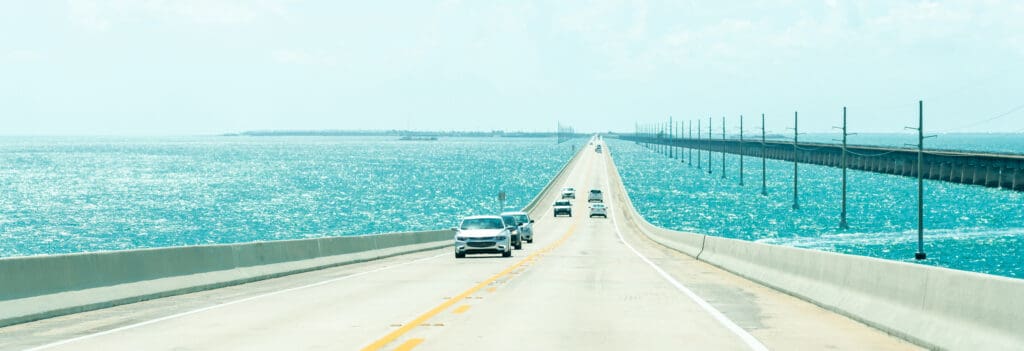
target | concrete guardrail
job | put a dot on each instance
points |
(937, 308)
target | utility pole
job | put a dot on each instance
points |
(796, 202)
(665, 134)
(764, 154)
(842, 214)
(743, 149)
(671, 136)
(920, 255)
(689, 158)
(698, 140)
(723, 147)
(709, 145)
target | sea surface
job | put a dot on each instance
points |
(86, 194)
(967, 227)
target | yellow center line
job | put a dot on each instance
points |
(461, 309)
(397, 333)
(408, 345)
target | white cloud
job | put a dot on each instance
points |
(302, 57)
(103, 15)
(87, 14)
(17, 56)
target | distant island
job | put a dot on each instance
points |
(405, 134)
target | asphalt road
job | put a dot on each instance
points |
(584, 284)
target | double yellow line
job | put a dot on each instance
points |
(408, 345)
(397, 333)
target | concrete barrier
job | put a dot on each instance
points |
(39, 287)
(933, 307)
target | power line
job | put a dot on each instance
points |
(990, 119)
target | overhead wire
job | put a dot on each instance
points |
(990, 119)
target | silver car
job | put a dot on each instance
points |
(598, 209)
(523, 223)
(482, 234)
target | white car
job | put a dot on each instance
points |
(569, 193)
(599, 209)
(483, 234)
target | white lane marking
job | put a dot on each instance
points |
(204, 309)
(750, 340)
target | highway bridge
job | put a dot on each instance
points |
(585, 284)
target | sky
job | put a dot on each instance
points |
(197, 67)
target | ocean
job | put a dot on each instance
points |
(967, 227)
(86, 194)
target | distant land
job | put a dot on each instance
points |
(407, 133)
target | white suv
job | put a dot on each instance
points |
(568, 193)
(482, 234)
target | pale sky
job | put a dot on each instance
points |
(135, 67)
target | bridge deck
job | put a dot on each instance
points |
(579, 286)
(976, 168)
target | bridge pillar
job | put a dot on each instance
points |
(961, 172)
(934, 170)
(979, 174)
(1006, 178)
(1018, 179)
(992, 176)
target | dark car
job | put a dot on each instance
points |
(563, 207)
(517, 235)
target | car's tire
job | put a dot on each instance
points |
(460, 255)
(519, 245)
(507, 253)
(530, 241)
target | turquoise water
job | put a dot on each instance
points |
(65, 195)
(967, 227)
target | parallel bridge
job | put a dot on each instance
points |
(977, 168)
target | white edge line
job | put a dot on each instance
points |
(204, 309)
(750, 340)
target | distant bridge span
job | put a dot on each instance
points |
(977, 168)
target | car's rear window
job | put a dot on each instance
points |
(522, 219)
(482, 223)
(562, 203)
